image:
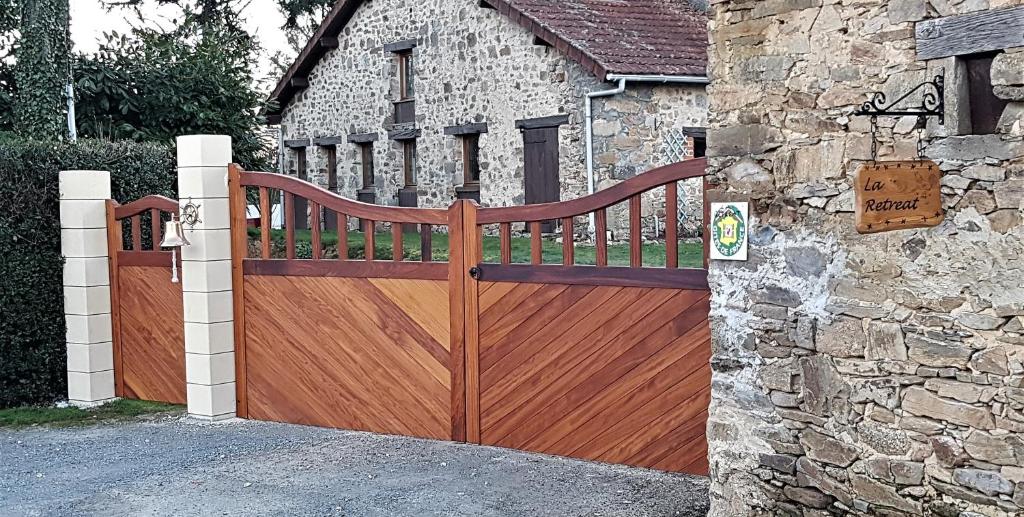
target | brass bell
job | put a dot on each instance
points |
(174, 235)
(174, 238)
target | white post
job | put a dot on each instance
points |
(206, 277)
(83, 242)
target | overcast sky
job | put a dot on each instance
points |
(89, 20)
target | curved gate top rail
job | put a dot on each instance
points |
(137, 207)
(603, 199)
(465, 222)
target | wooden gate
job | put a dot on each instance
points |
(146, 307)
(601, 362)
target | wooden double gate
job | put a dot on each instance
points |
(597, 362)
(146, 306)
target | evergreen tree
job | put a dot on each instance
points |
(42, 67)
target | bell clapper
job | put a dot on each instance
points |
(174, 265)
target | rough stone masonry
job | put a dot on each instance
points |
(473, 64)
(856, 374)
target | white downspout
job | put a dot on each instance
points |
(622, 79)
(592, 225)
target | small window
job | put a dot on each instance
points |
(366, 159)
(406, 73)
(700, 146)
(409, 163)
(471, 159)
(985, 107)
(332, 168)
(300, 163)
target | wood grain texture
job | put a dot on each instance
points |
(619, 374)
(971, 33)
(237, 206)
(370, 355)
(115, 243)
(897, 195)
(152, 334)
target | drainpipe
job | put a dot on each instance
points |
(622, 80)
(592, 224)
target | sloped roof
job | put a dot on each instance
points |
(629, 37)
(662, 37)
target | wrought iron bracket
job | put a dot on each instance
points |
(933, 102)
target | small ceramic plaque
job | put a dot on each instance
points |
(729, 225)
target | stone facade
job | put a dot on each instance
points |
(861, 374)
(475, 65)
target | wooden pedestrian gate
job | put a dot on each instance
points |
(597, 362)
(146, 307)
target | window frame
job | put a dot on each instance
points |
(984, 108)
(409, 165)
(406, 75)
(366, 164)
(471, 159)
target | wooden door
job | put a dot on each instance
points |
(541, 168)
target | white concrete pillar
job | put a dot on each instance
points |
(83, 242)
(206, 277)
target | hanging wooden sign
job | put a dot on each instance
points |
(898, 196)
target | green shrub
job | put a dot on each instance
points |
(32, 331)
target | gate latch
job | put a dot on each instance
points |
(475, 273)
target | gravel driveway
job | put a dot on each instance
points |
(174, 466)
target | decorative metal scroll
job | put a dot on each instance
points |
(933, 104)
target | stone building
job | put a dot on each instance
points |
(417, 103)
(867, 374)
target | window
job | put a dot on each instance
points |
(366, 159)
(409, 163)
(700, 146)
(471, 159)
(332, 168)
(406, 75)
(985, 107)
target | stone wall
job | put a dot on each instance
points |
(857, 374)
(475, 65)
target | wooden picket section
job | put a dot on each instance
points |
(359, 344)
(146, 307)
(596, 362)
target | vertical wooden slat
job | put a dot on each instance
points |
(601, 229)
(568, 252)
(264, 223)
(115, 243)
(473, 256)
(671, 225)
(368, 228)
(289, 226)
(136, 233)
(426, 243)
(342, 236)
(506, 243)
(315, 240)
(636, 257)
(397, 244)
(154, 223)
(239, 249)
(536, 245)
(457, 278)
(707, 222)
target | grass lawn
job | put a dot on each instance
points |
(690, 253)
(72, 416)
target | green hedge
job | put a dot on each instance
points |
(32, 350)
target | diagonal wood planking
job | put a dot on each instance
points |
(620, 375)
(152, 334)
(352, 353)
